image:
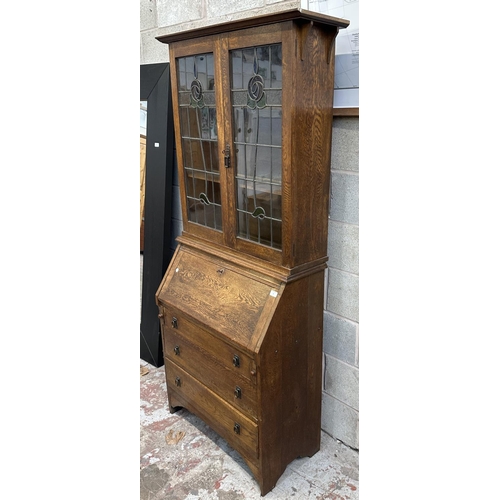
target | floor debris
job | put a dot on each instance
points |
(172, 438)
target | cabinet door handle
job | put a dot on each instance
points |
(227, 156)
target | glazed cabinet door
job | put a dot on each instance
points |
(229, 101)
(255, 126)
(256, 99)
(198, 117)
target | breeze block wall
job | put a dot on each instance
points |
(340, 410)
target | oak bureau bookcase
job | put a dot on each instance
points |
(241, 304)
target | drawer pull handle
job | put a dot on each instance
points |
(237, 392)
(174, 322)
(236, 428)
(177, 350)
(236, 361)
(220, 271)
(177, 381)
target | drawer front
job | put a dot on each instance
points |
(237, 429)
(217, 373)
(235, 360)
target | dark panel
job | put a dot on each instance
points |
(158, 203)
(150, 74)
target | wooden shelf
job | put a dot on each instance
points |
(345, 111)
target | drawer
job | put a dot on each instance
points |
(210, 360)
(238, 430)
(232, 358)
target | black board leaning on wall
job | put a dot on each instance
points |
(155, 89)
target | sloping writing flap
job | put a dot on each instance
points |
(218, 295)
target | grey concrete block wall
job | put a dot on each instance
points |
(345, 145)
(340, 338)
(343, 294)
(216, 8)
(344, 197)
(152, 51)
(339, 420)
(342, 381)
(340, 410)
(343, 246)
(148, 15)
(171, 12)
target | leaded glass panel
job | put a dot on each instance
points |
(256, 80)
(198, 117)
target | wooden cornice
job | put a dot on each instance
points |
(275, 17)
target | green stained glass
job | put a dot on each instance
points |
(204, 199)
(259, 212)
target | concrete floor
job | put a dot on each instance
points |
(182, 458)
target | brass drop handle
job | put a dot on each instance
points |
(177, 381)
(174, 323)
(236, 361)
(236, 428)
(177, 350)
(237, 392)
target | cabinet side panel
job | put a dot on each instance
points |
(314, 341)
(311, 142)
(290, 371)
(301, 350)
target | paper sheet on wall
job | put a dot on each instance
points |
(346, 49)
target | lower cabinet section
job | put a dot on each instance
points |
(258, 386)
